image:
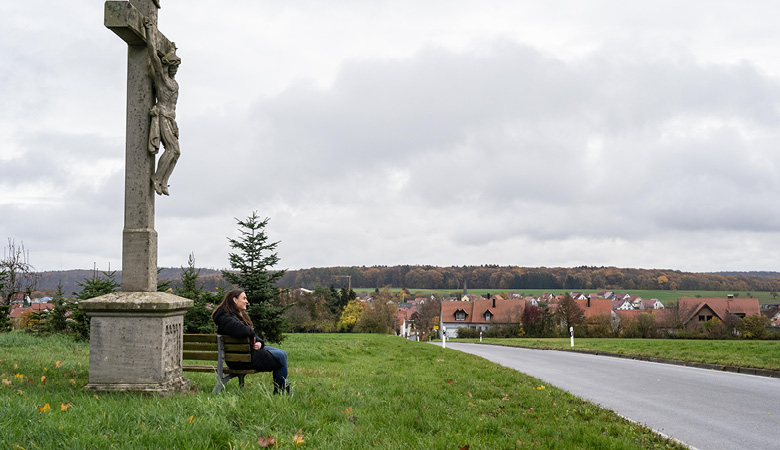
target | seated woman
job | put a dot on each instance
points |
(232, 320)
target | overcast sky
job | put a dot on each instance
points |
(443, 132)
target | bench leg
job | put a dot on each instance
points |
(221, 381)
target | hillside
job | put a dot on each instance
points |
(513, 278)
(70, 279)
(473, 277)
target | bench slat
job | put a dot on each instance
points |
(200, 338)
(233, 348)
(214, 369)
(210, 356)
(197, 346)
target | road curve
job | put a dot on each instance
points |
(706, 409)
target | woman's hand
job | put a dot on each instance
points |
(258, 345)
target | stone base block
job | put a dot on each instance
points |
(135, 342)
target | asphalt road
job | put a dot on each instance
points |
(705, 409)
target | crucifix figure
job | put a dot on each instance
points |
(163, 127)
(135, 22)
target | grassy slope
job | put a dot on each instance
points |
(350, 392)
(757, 354)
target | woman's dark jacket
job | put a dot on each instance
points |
(262, 360)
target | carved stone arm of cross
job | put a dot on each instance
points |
(128, 23)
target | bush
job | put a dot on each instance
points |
(468, 333)
(754, 327)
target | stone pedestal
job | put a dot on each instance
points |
(135, 342)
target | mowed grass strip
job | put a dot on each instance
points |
(349, 392)
(754, 354)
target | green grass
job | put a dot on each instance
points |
(664, 296)
(350, 392)
(755, 354)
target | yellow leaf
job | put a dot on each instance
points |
(191, 419)
(65, 406)
(19, 376)
(44, 408)
(57, 364)
(298, 438)
(43, 379)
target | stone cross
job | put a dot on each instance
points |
(139, 238)
(135, 336)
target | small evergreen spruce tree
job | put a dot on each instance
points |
(91, 288)
(254, 256)
(198, 318)
(56, 321)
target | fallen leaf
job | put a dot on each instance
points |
(352, 419)
(44, 408)
(347, 411)
(266, 441)
(191, 419)
(465, 447)
(43, 379)
(57, 364)
(298, 438)
(6, 382)
(65, 406)
(470, 396)
(449, 381)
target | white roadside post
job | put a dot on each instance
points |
(571, 330)
(480, 336)
(443, 337)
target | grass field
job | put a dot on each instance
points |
(755, 354)
(664, 296)
(349, 392)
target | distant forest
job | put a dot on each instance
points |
(474, 277)
(512, 278)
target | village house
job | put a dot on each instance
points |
(695, 310)
(481, 314)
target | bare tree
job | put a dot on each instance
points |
(570, 312)
(20, 276)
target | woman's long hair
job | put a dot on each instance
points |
(229, 305)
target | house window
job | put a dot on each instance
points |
(460, 315)
(488, 315)
(704, 318)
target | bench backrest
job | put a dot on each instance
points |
(204, 347)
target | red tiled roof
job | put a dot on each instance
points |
(598, 307)
(721, 307)
(36, 307)
(504, 311)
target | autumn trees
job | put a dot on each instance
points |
(453, 278)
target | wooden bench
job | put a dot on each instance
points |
(219, 348)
